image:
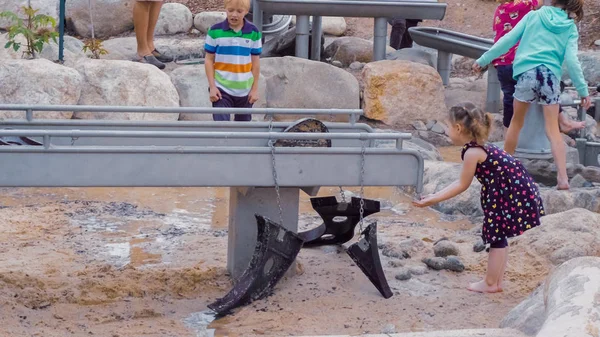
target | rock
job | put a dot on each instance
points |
(561, 237)
(497, 131)
(174, 18)
(38, 82)
(466, 90)
(597, 43)
(401, 92)
(330, 87)
(46, 7)
(419, 126)
(544, 171)
(337, 64)
(285, 45)
(389, 329)
(125, 48)
(395, 263)
(204, 20)
(579, 182)
(192, 87)
(332, 25)
(413, 55)
(453, 263)
(556, 201)
(73, 51)
(403, 275)
(445, 248)
(389, 249)
(571, 299)
(417, 270)
(439, 128)
(462, 64)
(590, 64)
(527, 317)
(412, 245)
(111, 17)
(479, 245)
(124, 83)
(350, 49)
(430, 124)
(356, 65)
(435, 263)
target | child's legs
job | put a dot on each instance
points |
(526, 92)
(226, 101)
(496, 261)
(242, 102)
(557, 144)
(507, 83)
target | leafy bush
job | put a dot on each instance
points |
(37, 29)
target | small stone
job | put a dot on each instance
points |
(346, 326)
(445, 248)
(417, 270)
(337, 63)
(438, 128)
(390, 250)
(389, 329)
(396, 264)
(403, 275)
(597, 43)
(436, 263)
(356, 65)
(478, 246)
(194, 31)
(430, 124)
(412, 245)
(578, 182)
(453, 263)
(419, 126)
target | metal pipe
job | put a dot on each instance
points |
(533, 139)
(29, 115)
(61, 31)
(493, 103)
(317, 31)
(302, 36)
(444, 66)
(201, 134)
(257, 15)
(199, 110)
(379, 38)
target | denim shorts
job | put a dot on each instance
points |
(538, 85)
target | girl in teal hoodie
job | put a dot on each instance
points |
(548, 37)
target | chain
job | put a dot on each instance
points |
(362, 185)
(342, 194)
(275, 178)
(73, 139)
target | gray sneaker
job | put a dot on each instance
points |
(150, 59)
(162, 57)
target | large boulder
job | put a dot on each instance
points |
(413, 55)
(192, 86)
(174, 18)
(46, 7)
(350, 49)
(111, 17)
(469, 89)
(590, 64)
(332, 25)
(298, 83)
(125, 48)
(285, 45)
(204, 20)
(124, 83)
(38, 82)
(73, 51)
(527, 317)
(398, 93)
(556, 201)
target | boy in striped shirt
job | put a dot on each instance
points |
(232, 61)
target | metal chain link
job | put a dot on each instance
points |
(342, 194)
(73, 140)
(362, 185)
(275, 178)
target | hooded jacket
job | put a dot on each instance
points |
(547, 37)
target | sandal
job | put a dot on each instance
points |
(162, 57)
(150, 59)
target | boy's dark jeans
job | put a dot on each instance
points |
(229, 101)
(507, 83)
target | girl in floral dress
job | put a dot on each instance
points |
(510, 198)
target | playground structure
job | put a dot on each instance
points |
(264, 179)
(380, 10)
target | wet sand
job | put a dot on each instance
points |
(147, 261)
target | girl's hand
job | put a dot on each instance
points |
(425, 201)
(477, 68)
(215, 94)
(586, 102)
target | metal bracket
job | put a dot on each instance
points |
(275, 251)
(366, 255)
(337, 231)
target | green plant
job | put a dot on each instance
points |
(37, 29)
(95, 46)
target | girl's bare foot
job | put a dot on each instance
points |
(567, 125)
(483, 287)
(563, 184)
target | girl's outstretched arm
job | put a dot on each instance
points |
(473, 156)
(505, 43)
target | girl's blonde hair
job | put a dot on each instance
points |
(242, 3)
(572, 7)
(475, 122)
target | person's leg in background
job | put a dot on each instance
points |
(141, 23)
(507, 84)
(407, 41)
(155, 7)
(398, 29)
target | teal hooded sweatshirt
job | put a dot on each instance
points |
(547, 37)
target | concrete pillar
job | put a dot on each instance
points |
(533, 142)
(302, 35)
(493, 102)
(243, 204)
(379, 39)
(317, 31)
(444, 66)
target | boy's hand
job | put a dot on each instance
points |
(425, 201)
(586, 102)
(215, 94)
(253, 96)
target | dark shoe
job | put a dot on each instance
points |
(150, 59)
(162, 57)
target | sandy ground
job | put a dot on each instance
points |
(147, 261)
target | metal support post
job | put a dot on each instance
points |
(302, 35)
(493, 102)
(444, 66)
(533, 142)
(61, 31)
(379, 39)
(317, 31)
(257, 15)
